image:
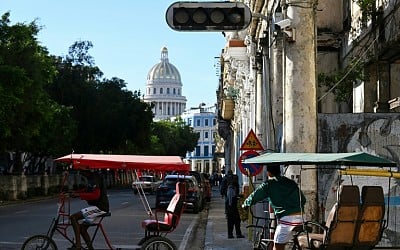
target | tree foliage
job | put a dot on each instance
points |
(110, 118)
(176, 137)
(51, 105)
(25, 108)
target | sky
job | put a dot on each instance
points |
(127, 37)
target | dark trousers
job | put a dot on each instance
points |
(233, 217)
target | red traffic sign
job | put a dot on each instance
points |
(249, 168)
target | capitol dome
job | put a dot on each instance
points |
(164, 89)
(164, 70)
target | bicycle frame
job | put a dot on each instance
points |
(261, 227)
(62, 222)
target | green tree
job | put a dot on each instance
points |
(176, 137)
(110, 119)
(124, 120)
(25, 107)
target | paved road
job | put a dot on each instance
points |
(19, 221)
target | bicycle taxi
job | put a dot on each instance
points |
(359, 186)
(156, 227)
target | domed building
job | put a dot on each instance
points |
(164, 89)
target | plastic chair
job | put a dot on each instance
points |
(171, 215)
(341, 225)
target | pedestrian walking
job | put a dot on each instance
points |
(230, 190)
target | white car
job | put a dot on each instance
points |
(148, 183)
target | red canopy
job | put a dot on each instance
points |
(139, 162)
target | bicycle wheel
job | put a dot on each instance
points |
(39, 242)
(158, 243)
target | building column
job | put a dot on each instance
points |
(299, 88)
(383, 90)
(193, 164)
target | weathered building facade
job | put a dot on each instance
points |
(324, 80)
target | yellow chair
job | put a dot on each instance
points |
(371, 219)
(341, 225)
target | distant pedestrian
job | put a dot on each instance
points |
(215, 178)
(219, 178)
(230, 190)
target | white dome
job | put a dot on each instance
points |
(164, 70)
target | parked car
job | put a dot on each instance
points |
(207, 187)
(148, 183)
(202, 184)
(166, 191)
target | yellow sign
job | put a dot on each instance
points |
(251, 142)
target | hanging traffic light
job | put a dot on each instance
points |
(208, 16)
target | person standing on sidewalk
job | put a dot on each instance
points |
(287, 200)
(230, 190)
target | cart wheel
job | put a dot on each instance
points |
(159, 243)
(39, 242)
(144, 239)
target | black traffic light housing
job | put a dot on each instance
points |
(208, 16)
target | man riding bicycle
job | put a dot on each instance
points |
(95, 194)
(285, 198)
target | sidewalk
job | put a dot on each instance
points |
(216, 232)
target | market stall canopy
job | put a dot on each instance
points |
(138, 162)
(343, 159)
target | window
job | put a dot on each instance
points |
(174, 91)
(167, 90)
(206, 122)
(206, 153)
(198, 122)
(197, 150)
(214, 122)
(154, 91)
(206, 135)
(161, 90)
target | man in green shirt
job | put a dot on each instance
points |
(287, 200)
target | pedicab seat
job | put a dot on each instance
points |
(341, 225)
(171, 215)
(371, 220)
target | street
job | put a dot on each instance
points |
(22, 220)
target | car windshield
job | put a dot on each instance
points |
(146, 178)
(172, 182)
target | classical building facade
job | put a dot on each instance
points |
(164, 89)
(203, 120)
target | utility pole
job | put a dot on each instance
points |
(299, 92)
